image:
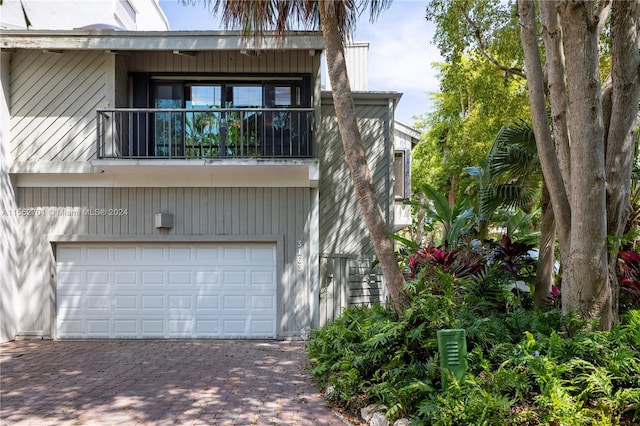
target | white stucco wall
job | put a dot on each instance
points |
(140, 15)
(9, 311)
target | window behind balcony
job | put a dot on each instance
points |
(232, 117)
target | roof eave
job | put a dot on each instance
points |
(154, 40)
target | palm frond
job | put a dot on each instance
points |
(257, 18)
(513, 151)
(508, 195)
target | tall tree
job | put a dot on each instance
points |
(475, 101)
(586, 144)
(588, 159)
(336, 19)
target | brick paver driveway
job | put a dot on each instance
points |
(203, 382)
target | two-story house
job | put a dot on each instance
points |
(159, 184)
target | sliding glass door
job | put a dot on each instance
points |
(168, 125)
(202, 130)
(229, 119)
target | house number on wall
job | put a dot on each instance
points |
(299, 256)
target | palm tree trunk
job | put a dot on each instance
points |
(356, 158)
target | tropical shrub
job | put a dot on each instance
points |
(628, 272)
(526, 366)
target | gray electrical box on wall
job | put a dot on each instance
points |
(163, 220)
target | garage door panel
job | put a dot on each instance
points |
(207, 254)
(180, 302)
(126, 327)
(71, 303)
(152, 304)
(233, 302)
(72, 328)
(234, 254)
(180, 278)
(98, 302)
(98, 254)
(234, 277)
(125, 255)
(265, 302)
(68, 254)
(98, 277)
(153, 328)
(152, 278)
(125, 278)
(126, 303)
(98, 327)
(262, 256)
(166, 291)
(207, 303)
(234, 327)
(207, 328)
(180, 327)
(152, 254)
(70, 277)
(204, 278)
(259, 327)
(261, 278)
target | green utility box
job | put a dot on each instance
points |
(452, 346)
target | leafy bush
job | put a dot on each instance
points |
(628, 272)
(526, 367)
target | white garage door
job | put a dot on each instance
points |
(166, 291)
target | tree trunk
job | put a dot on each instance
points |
(589, 291)
(551, 171)
(620, 134)
(422, 212)
(545, 269)
(356, 158)
(601, 128)
(556, 86)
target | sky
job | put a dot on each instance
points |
(400, 49)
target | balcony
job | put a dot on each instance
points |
(205, 134)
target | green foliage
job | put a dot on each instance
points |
(481, 89)
(454, 223)
(526, 367)
(628, 274)
(474, 102)
(476, 97)
(513, 169)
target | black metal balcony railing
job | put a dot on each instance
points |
(146, 133)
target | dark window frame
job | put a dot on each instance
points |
(143, 89)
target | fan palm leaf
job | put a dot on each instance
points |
(513, 170)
